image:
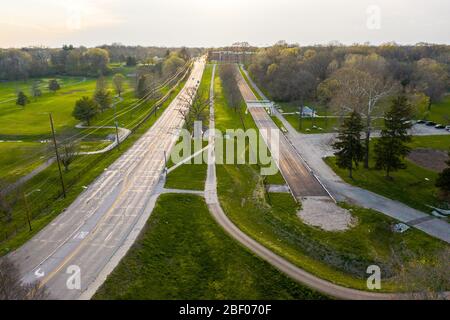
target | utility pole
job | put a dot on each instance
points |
(117, 135)
(117, 127)
(57, 156)
(27, 209)
(300, 117)
(312, 118)
(165, 162)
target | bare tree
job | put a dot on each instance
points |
(118, 83)
(68, 148)
(195, 103)
(12, 288)
(361, 91)
(69, 151)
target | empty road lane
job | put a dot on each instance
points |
(299, 177)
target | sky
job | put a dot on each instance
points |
(214, 23)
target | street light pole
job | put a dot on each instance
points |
(57, 156)
(165, 162)
(27, 206)
(300, 117)
(117, 127)
(27, 209)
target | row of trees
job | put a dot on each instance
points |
(122, 53)
(22, 64)
(87, 108)
(148, 76)
(390, 149)
(357, 78)
(35, 91)
(228, 78)
(291, 72)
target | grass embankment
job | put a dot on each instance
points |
(15, 160)
(340, 257)
(183, 254)
(414, 186)
(47, 203)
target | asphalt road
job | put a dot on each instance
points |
(88, 234)
(297, 174)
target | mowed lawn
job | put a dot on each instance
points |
(414, 186)
(340, 257)
(440, 112)
(32, 121)
(33, 118)
(183, 254)
(20, 158)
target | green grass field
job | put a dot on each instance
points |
(15, 159)
(183, 254)
(48, 203)
(340, 257)
(414, 186)
(32, 120)
(440, 112)
(431, 142)
(316, 125)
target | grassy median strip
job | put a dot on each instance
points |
(183, 254)
(340, 257)
(190, 175)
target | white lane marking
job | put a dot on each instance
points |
(81, 235)
(39, 274)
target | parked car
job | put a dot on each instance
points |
(420, 121)
(439, 126)
(430, 123)
(447, 128)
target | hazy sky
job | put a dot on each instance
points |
(221, 22)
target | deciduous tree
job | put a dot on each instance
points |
(85, 109)
(118, 83)
(432, 79)
(53, 85)
(22, 99)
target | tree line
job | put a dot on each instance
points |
(22, 64)
(228, 77)
(357, 78)
(294, 73)
(389, 150)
